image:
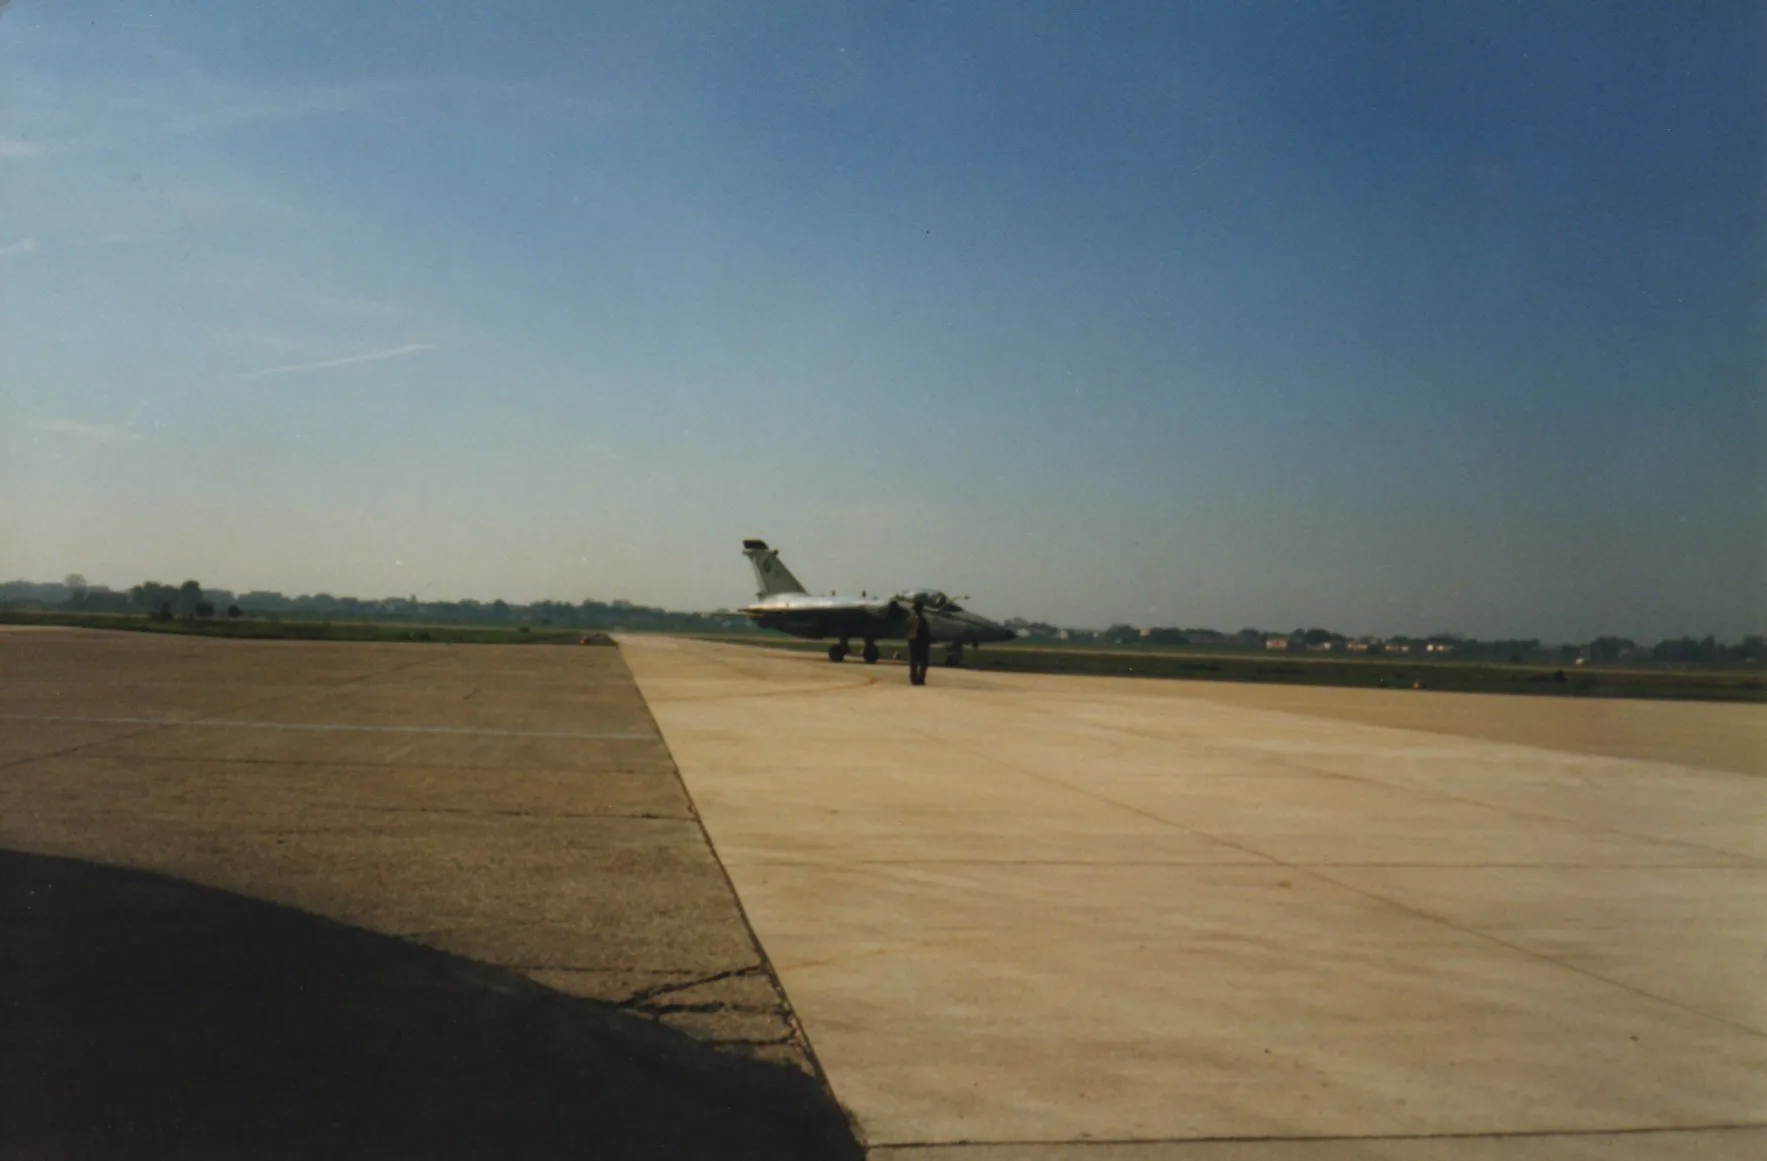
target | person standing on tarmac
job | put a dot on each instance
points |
(920, 640)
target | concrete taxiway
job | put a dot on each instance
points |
(1032, 916)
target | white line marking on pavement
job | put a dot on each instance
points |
(332, 727)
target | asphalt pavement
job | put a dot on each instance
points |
(308, 899)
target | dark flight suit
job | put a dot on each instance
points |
(920, 640)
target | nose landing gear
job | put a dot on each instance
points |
(838, 653)
(869, 653)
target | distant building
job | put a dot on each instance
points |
(1361, 646)
(1438, 647)
(1276, 643)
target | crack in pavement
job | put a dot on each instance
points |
(640, 998)
(710, 1006)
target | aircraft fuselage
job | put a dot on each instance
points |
(783, 604)
(845, 618)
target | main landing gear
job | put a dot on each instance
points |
(838, 652)
(954, 656)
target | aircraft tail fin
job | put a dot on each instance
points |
(771, 575)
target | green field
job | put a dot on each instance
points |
(1699, 684)
(1687, 683)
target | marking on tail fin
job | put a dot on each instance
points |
(771, 575)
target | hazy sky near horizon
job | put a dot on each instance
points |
(1387, 318)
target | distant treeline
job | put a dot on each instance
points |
(1751, 650)
(190, 600)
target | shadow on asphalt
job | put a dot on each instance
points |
(143, 1016)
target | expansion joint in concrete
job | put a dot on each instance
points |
(887, 1147)
(797, 1037)
(1320, 872)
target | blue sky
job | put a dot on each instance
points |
(1387, 318)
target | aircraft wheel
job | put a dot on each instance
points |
(837, 653)
(870, 653)
(954, 659)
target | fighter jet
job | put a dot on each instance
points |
(783, 604)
